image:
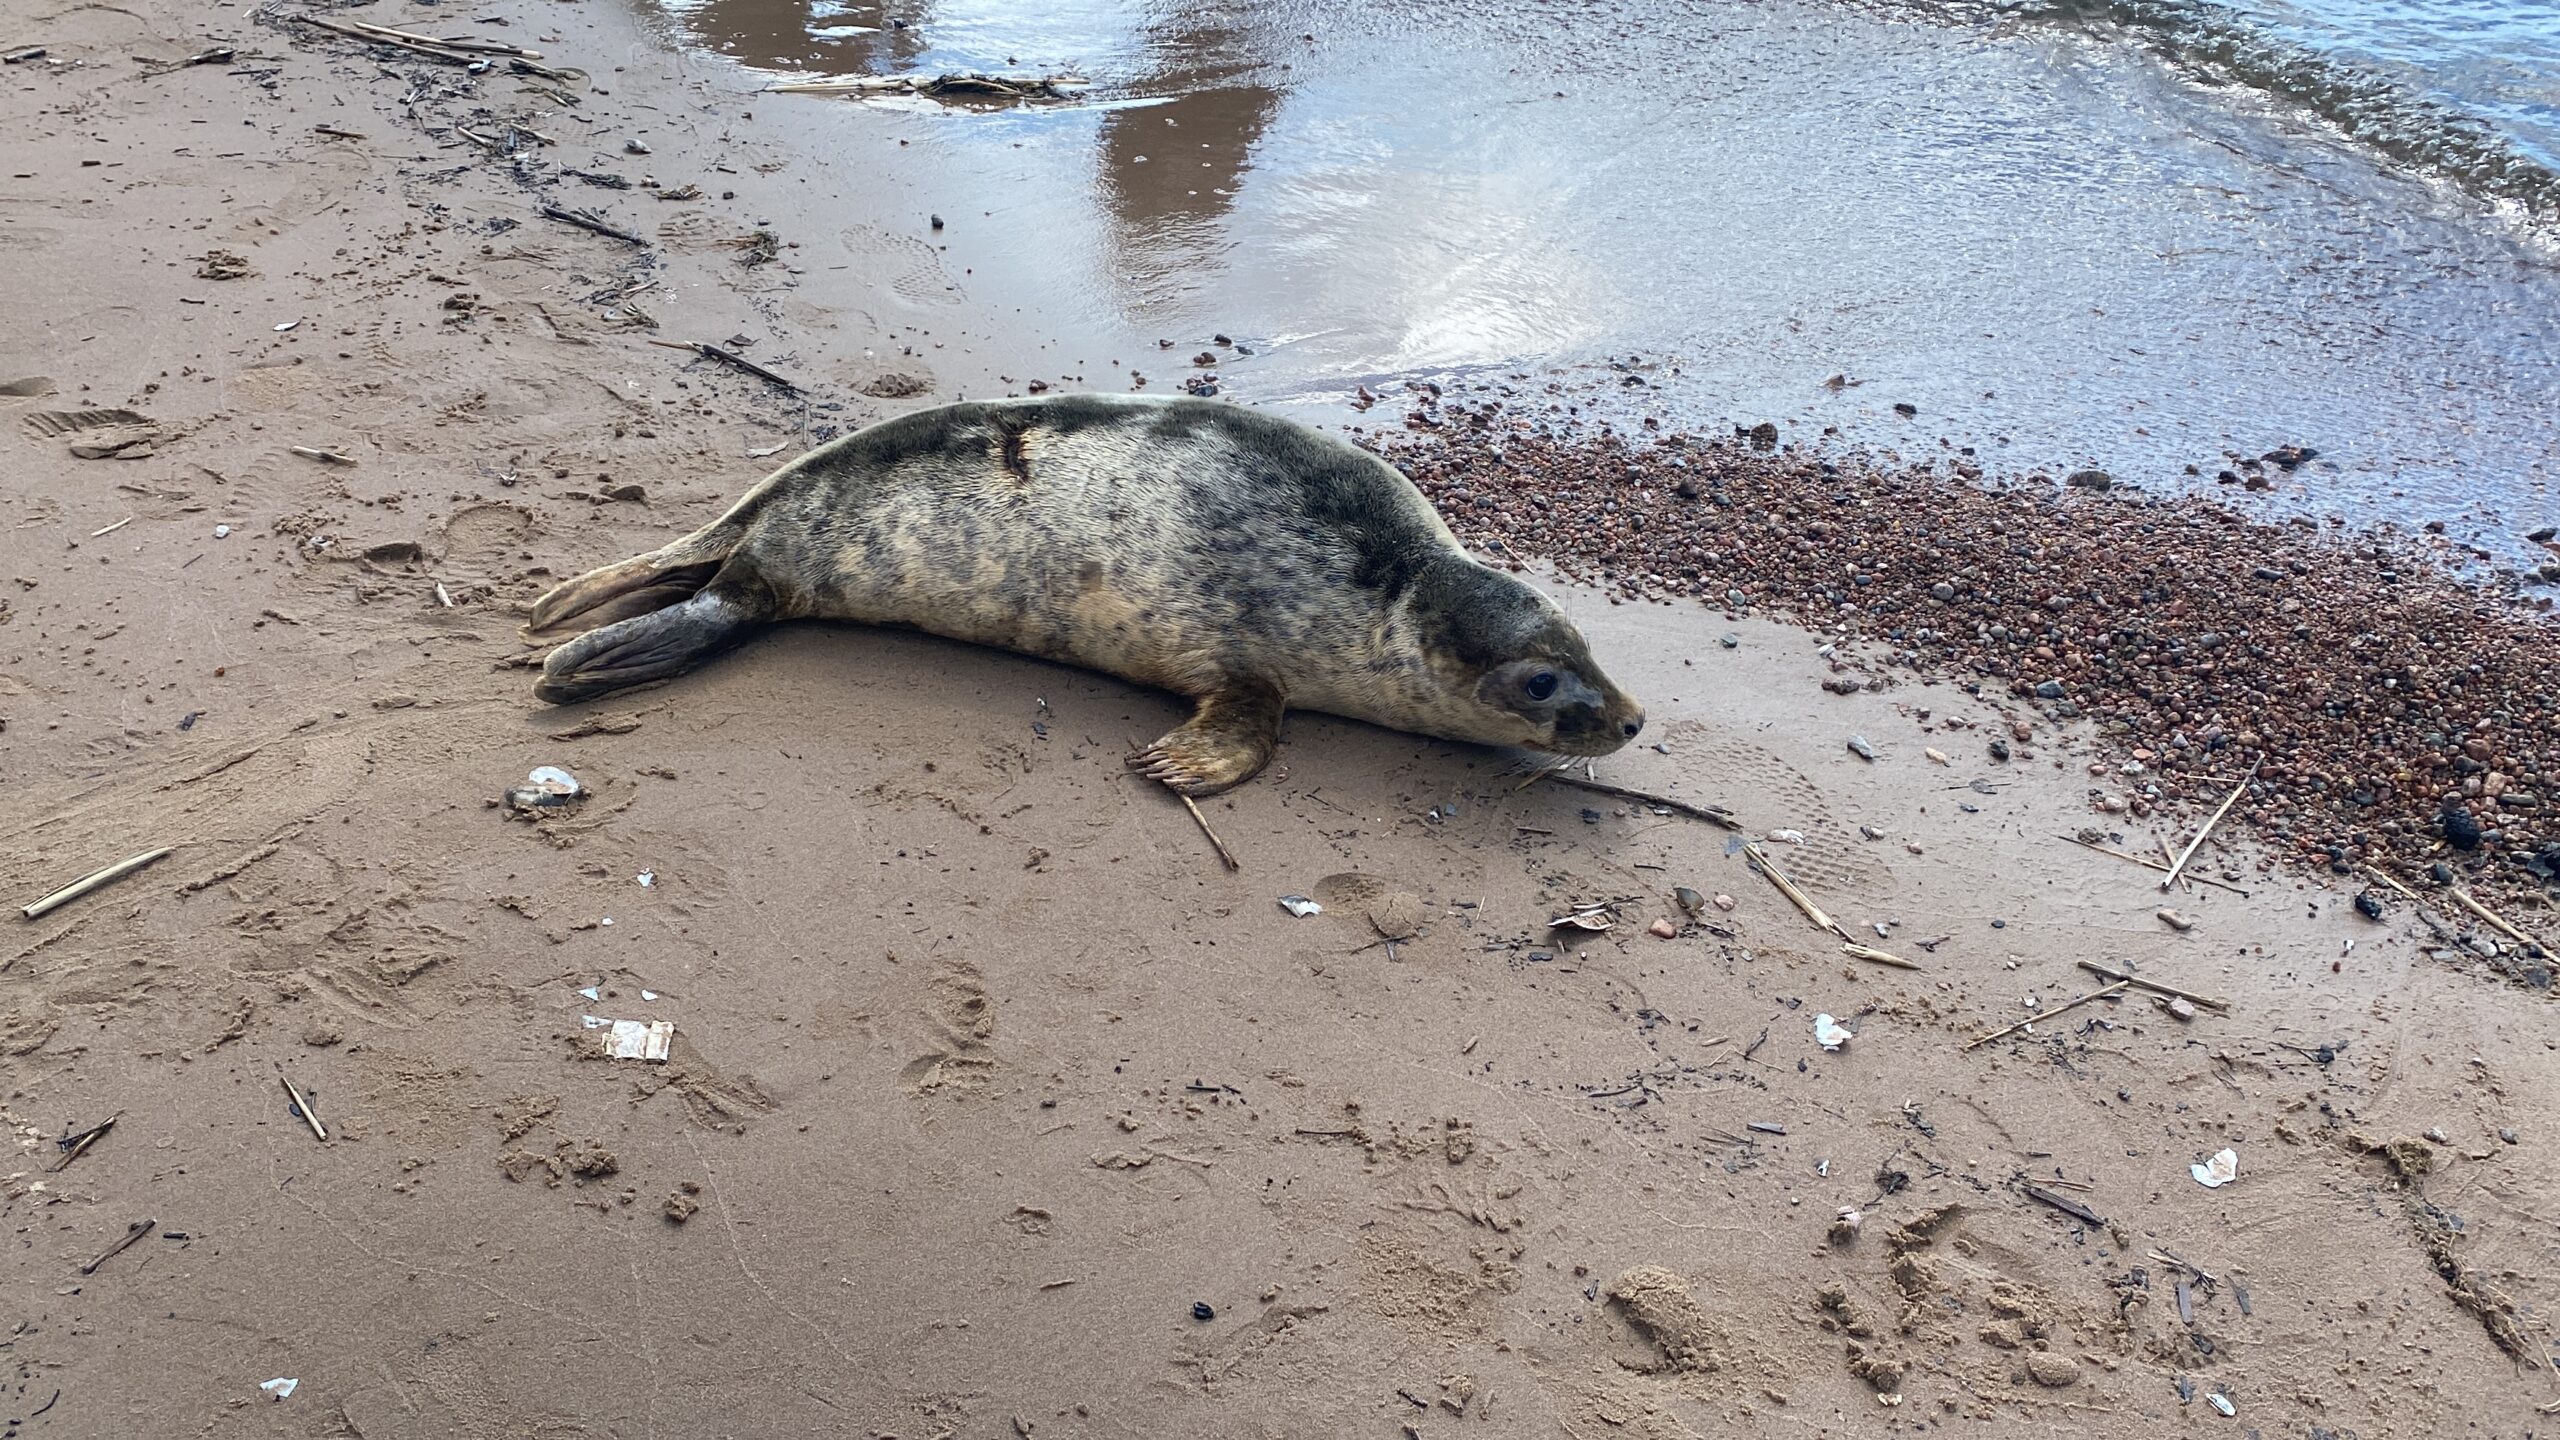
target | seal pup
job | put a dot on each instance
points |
(1246, 562)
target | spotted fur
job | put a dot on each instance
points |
(1248, 562)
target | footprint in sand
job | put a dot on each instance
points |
(963, 1020)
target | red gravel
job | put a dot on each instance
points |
(2388, 701)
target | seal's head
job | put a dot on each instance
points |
(1518, 672)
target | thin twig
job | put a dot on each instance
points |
(2153, 864)
(1856, 951)
(1203, 821)
(2117, 988)
(1712, 814)
(2237, 791)
(2463, 898)
(87, 883)
(589, 222)
(2127, 976)
(310, 1116)
(2065, 1204)
(75, 1146)
(132, 1232)
(1760, 861)
(714, 352)
(356, 31)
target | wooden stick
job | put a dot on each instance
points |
(87, 883)
(2117, 988)
(1712, 814)
(2151, 864)
(2208, 1001)
(1856, 951)
(78, 1145)
(132, 1232)
(589, 222)
(2442, 931)
(309, 1116)
(2236, 792)
(1760, 861)
(2463, 898)
(714, 352)
(2065, 1204)
(111, 529)
(370, 35)
(1203, 822)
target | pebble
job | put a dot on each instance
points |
(1663, 930)
(2053, 1371)
(1859, 747)
(2179, 1007)
(1722, 902)
(2174, 920)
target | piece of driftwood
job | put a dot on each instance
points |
(2208, 1001)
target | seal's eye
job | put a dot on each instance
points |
(1541, 686)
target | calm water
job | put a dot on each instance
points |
(2142, 235)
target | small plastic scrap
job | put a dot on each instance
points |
(545, 786)
(634, 1039)
(281, 1386)
(2217, 1172)
(1300, 906)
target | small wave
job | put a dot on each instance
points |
(2221, 45)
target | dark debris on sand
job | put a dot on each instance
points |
(2396, 712)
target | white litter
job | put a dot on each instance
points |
(1830, 1033)
(281, 1386)
(634, 1039)
(2217, 1172)
(289, 324)
(1300, 906)
(590, 993)
(2223, 1403)
(1787, 837)
(221, 532)
(647, 878)
(648, 994)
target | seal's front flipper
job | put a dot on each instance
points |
(652, 646)
(1225, 744)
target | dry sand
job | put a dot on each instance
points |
(996, 1107)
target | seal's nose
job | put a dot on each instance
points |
(1634, 725)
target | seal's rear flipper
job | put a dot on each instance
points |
(649, 647)
(617, 592)
(1225, 744)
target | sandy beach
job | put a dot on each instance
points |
(993, 1105)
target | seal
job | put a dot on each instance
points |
(1246, 562)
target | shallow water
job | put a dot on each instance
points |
(2059, 248)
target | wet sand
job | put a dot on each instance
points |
(995, 1106)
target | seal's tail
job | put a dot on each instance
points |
(666, 576)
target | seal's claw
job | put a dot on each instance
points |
(1225, 744)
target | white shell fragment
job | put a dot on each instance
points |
(1830, 1034)
(1594, 920)
(281, 1386)
(2222, 1402)
(1300, 906)
(2217, 1172)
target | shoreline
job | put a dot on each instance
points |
(2392, 712)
